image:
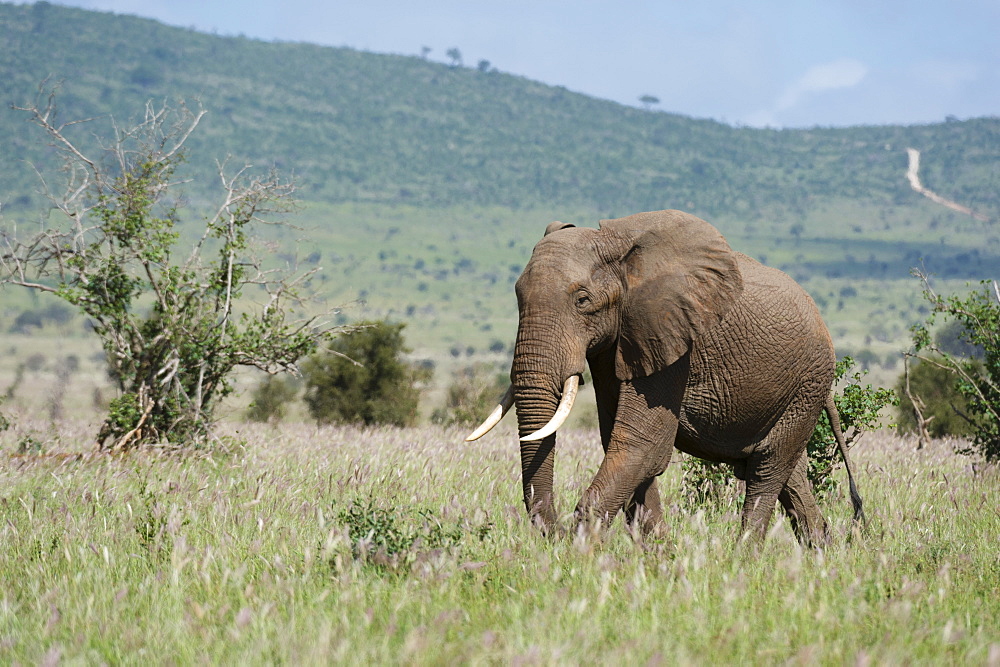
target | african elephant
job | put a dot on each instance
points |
(690, 344)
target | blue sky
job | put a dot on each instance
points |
(778, 63)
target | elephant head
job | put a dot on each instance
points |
(629, 299)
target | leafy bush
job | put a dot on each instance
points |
(474, 391)
(28, 320)
(943, 406)
(706, 482)
(364, 379)
(950, 338)
(860, 407)
(270, 399)
(173, 320)
(395, 536)
(978, 381)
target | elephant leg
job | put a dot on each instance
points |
(799, 503)
(770, 469)
(644, 511)
(606, 389)
(638, 450)
(758, 508)
(765, 476)
(537, 462)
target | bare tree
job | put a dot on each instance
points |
(173, 318)
(923, 434)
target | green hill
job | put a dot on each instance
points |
(367, 127)
(425, 185)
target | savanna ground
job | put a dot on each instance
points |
(243, 553)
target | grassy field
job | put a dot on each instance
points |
(248, 552)
(449, 274)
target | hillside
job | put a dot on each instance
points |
(425, 186)
(359, 126)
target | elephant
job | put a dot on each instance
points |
(691, 345)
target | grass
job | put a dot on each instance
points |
(266, 548)
(449, 274)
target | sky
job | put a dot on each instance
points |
(759, 63)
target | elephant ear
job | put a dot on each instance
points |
(681, 279)
(556, 226)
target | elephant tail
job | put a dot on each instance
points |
(834, 416)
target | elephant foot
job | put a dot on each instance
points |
(547, 526)
(812, 537)
(591, 520)
(645, 524)
(588, 534)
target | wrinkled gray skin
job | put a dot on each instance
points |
(690, 344)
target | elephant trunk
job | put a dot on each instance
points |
(537, 377)
(534, 409)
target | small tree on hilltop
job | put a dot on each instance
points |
(364, 379)
(977, 380)
(172, 318)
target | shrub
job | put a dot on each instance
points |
(172, 317)
(397, 536)
(270, 399)
(364, 379)
(943, 406)
(474, 391)
(28, 320)
(860, 407)
(978, 380)
(705, 482)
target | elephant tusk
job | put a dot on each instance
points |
(562, 412)
(505, 402)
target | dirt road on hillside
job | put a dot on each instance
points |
(913, 175)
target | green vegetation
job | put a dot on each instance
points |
(270, 398)
(250, 554)
(472, 394)
(171, 319)
(363, 378)
(425, 185)
(940, 403)
(977, 380)
(392, 538)
(860, 408)
(368, 127)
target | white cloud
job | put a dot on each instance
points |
(843, 73)
(836, 75)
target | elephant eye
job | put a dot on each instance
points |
(582, 301)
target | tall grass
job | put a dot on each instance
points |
(266, 548)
